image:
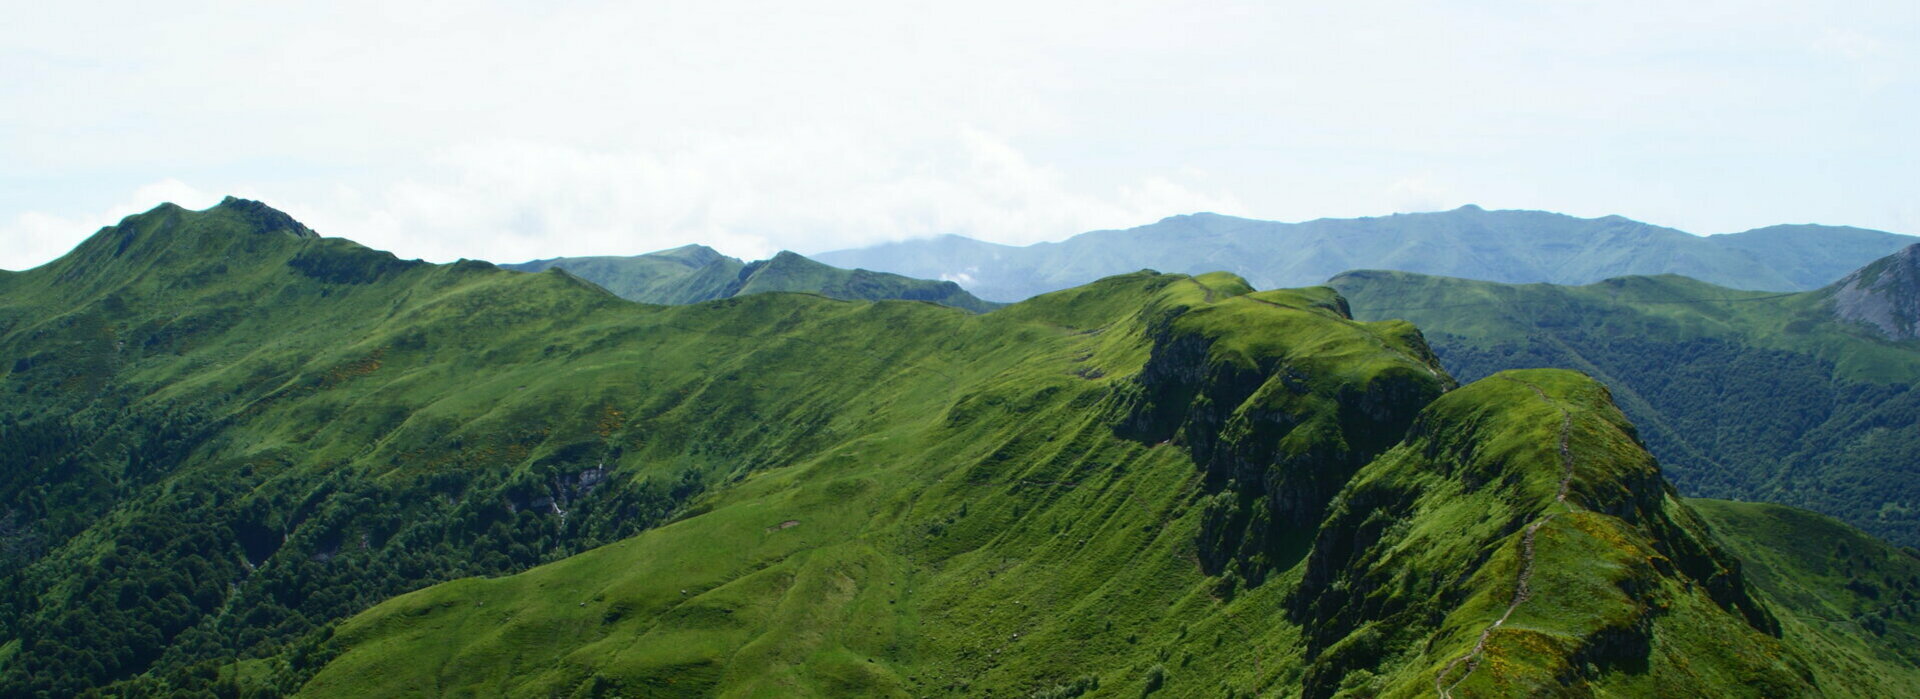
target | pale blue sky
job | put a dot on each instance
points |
(508, 131)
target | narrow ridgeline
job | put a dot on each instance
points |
(696, 273)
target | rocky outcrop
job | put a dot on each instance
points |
(265, 219)
(1884, 295)
(1276, 433)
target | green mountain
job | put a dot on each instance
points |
(1477, 557)
(1501, 246)
(696, 273)
(241, 459)
(1804, 399)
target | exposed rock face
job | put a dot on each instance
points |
(1885, 295)
(266, 218)
(1277, 434)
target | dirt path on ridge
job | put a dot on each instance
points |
(1523, 585)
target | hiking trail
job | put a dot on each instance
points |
(1523, 585)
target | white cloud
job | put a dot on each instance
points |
(34, 238)
(503, 130)
(1417, 193)
(519, 200)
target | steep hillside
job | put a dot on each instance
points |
(1518, 541)
(1831, 584)
(1502, 246)
(696, 273)
(1745, 395)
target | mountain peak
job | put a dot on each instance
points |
(169, 234)
(694, 255)
(784, 263)
(264, 218)
(1884, 294)
(788, 257)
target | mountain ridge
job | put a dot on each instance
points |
(1515, 246)
(696, 273)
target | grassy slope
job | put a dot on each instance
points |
(1850, 595)
(330, 378)
(1425, 550)
(1001, 539)
(908, 572)
(1741, 394)
(305, 375)
(695, 273)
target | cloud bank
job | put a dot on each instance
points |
(507, 132)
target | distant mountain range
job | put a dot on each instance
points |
(696, 273)
(1469, 242)
(1804, 398)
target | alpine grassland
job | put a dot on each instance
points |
(242, 459)
(1777, 397)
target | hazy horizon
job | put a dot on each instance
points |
(811, 253)
(495, 132)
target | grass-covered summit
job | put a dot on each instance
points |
(243, 458)
(695, 273)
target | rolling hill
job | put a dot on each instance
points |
(1804, 398)
(1469, 242)
(243, 459)
(696, 273)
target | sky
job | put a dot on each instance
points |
(514, 131)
